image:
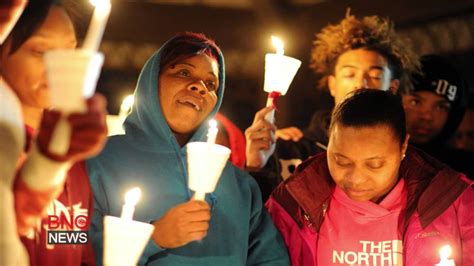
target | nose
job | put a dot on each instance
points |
(198, 86)
(361, 82)
(354, 178)
(425, 113)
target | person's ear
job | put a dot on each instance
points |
(394, 86)
(332, 85)
(405, 145)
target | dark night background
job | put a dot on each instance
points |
(243, 28)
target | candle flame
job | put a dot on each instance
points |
(278, 43)
(127, 104)
(445, 252)
(133, 196)
(212, 123)
(101, 4)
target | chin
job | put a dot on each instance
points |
(420, 140)
(184, 128)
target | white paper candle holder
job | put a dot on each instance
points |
(279, 72)
(205, 164)
(72, 78)
(124, 240)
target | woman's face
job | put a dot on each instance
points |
(364, 162)
(188, 92)
(24, 70)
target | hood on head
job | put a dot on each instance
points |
(146, 123)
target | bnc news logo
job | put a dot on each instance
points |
(67, 229)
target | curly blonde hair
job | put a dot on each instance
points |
(371, 33)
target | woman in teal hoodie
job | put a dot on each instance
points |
(180, 87)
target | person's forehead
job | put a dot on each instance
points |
(361, 58)
(362, 142)
(343, 133)
(57, 25)
(429, 95)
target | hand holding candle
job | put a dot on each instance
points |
(78, 71)
(206, 160)
(131, 199)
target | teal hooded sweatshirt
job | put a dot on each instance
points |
(148, 156)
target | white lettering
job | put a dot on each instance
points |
(386, 246)
(386, 258)
(365, 244)
(354, 257)
(363, 259)
(452, 92)
(67, 237)
(337, 258)
(381, 253)
(377, 247)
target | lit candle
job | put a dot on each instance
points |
(444, 254)
(97, 24)
(131, 199)
(278, 45)
(126, 106)
(212, 132)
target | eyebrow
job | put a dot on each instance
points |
(372, 67)
(193, 66)
(370, 158)
(43, 36)
(443, 101)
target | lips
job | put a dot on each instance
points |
(422, 130)
(356, 192)
(191, 102)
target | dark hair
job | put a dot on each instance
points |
(33, 17)
(369, 107)
(371, 33)
(187, 44)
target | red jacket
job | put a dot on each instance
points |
(73, 200)
(439, 210)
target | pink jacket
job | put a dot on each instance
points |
(440, 210)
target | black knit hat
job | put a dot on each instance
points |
(442, 78)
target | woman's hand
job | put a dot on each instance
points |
(289, 133)
(260, 140)
(88, 131)
(182, 224)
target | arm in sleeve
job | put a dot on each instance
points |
(269, 176)
(37, 184)
(266, 245)
(466, 225)
(88, 257)
(101, 209)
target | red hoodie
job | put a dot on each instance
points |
(74, 201)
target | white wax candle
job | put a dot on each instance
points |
(444, 254)
(97, 24)
(131, 199)
(212, 132)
